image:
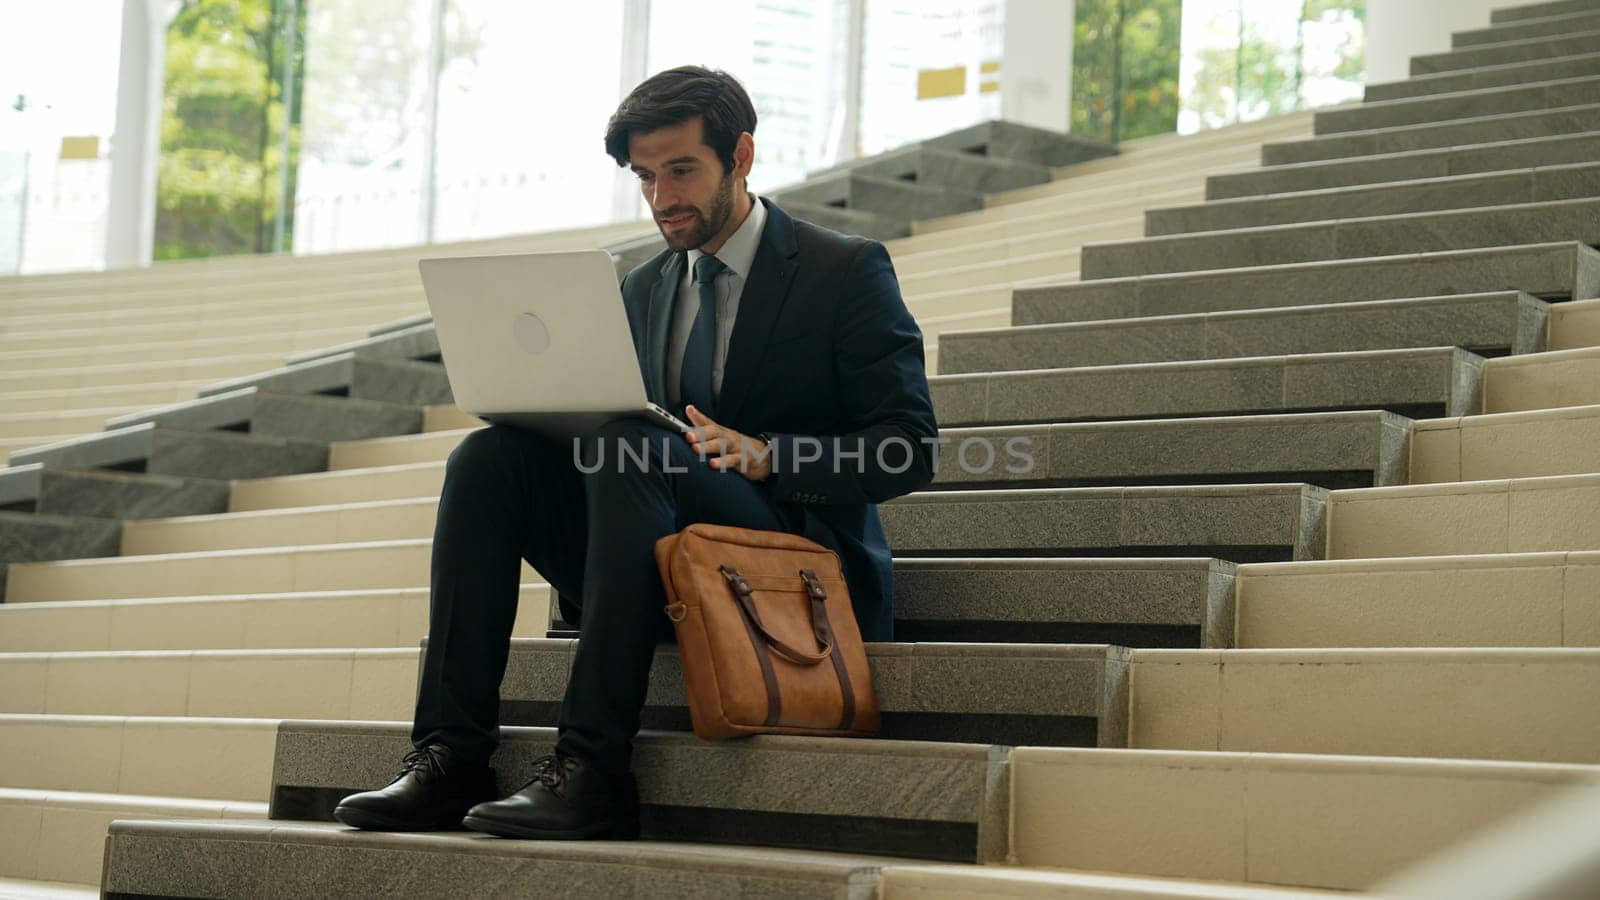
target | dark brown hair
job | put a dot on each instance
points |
(678, 95)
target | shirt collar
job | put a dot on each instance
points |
(738, 253)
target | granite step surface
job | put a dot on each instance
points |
(914, 799)
(73, 848)
(1522, 11)
(1543, 47)
(1417, 382)
(1240, 523)
(1549, 93)
(28, 537)
(1065, 695)
(1350, 238)
(1357, 448)
(307, 417)
(1576, 65)
(1435, 135)
(1553, 25)
(1557, 271)
(107, 494)
(1025, 143)
(904, 882)
(1564, 182)
(417, 341)
(883, 196)
(333, 375)
(1489, 325)
(258, 858)
(159, 450)
(1515, 704)
(1407, 165)
(1505, 515)
(850, 221)
(1547, 599)
(1261, 817)
(930, 165)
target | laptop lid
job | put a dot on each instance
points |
(534, 334)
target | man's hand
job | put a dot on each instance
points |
(723, 448)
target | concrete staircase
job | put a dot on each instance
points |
(1302, 584)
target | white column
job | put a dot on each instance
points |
(136, 143)
(1400, 29)
(626, 203)
(1036, 64)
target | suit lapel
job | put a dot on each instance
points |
(765, 290)
(658, 319)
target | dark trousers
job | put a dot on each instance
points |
(511, 495)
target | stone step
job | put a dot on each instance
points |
(1543, 47)
(937, 882)
(1508, 515)
(156, 373)
(351, 374)
(1554, 25)
(413, 342)
(394, 617)
(333, 683)
(169, 756)
(217, 859)
(1507, 75)
(1565, 182)
(849, 221)
(1563, 440)
(354, 566)
(1067, 695)
(925, 164)
(1434, 135)
(393, 451)
(889, 198)
(1574, 325)
(418, 479)
(64, 399)
(172, 451)
(1324, 821)
(106, 494)
(1542, 380)
(1484, 600)
(1523, 704)
(902, 798)
(1549, 93)
(308, 417)
(1384, 168)
(1429, 381)
(88, 332)
(152, 350)
(26, 537)
(1558, 271)
(33, 889)
(1242, 523)
(1504, 15)
(1487, 324)
(1366, 238)
(60, 836)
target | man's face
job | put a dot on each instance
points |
(689, 192)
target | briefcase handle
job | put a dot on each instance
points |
(742, 592)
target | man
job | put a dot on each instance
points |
(789, 347)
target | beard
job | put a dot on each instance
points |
(707, 223)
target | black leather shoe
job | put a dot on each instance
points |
(431, 793)
(565, 800)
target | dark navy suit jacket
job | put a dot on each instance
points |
(823, 347)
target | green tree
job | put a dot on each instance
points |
(223, 124)
(1125, 59)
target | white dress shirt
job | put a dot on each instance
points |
(738, 253)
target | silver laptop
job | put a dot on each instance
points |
(538, 340)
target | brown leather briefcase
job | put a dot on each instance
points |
(768, 639)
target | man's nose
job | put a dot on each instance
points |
(662, 199)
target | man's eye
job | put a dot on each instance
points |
(681, 172)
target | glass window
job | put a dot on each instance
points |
(928, 67)
(789, 54)
(58, 107)
(364, 119)
(524, 96)
(1125, 68)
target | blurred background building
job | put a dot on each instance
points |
(133, 130)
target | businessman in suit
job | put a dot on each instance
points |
(789, 347)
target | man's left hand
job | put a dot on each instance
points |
(724, 449)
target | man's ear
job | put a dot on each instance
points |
(744, 155)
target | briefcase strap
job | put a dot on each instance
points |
(764, 641)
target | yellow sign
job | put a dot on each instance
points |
(80, 148)
(932, 83)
